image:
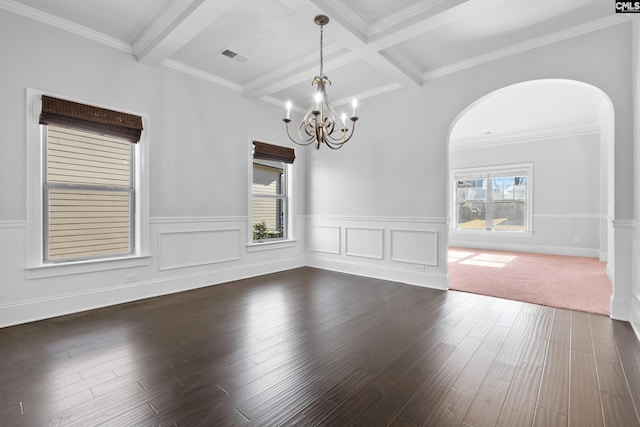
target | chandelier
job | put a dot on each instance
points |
(321, 124)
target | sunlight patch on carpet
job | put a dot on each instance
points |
(480, 259)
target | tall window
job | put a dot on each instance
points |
(496, 199)
(88, 181)
(270, 191)
(88, 193)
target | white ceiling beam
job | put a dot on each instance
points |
(413, 21)
(352, 37)
(301, 70)
(178, 25)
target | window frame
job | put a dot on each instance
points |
(37, 266)
(510, 170)
(288, 239)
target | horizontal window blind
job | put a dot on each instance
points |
(89, 195)
(88, 223)
(76, 157)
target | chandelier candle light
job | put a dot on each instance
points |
(321, 124)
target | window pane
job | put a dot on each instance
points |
(509, 215)
(268, 218)
(509, 203)
(268, 178)
(470, 201)
(77, 157)
(88, 223)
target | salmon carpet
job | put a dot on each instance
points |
(576, 283)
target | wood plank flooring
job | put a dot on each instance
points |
(309, 347)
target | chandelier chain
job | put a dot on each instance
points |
(321, 51)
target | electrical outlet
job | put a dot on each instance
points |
(129, 278)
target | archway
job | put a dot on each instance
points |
(561, 133)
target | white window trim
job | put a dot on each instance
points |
(290, 240)
(497, 170)
(35, 267)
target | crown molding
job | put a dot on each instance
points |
(195, 72)
(523, 137)
(578, 30)
(63, 24)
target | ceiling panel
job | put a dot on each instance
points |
(373, 11)
(480, 31)
(123, 20)
(265, 32)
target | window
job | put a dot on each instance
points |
(88, 193)
(85, 180)
(493, 199)
(270, 192)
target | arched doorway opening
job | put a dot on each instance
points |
(531, 170)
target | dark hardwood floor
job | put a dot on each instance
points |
(310, 347)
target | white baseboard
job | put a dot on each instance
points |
(609, 270)
(43, 308)
(620, 309)
(604, 256)
(417, 278)
(536, 249)
(635, 315)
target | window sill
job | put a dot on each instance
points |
(492, 233)
(89, 266)
(266, 245)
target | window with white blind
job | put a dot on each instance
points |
(88, 193)
(88, 188)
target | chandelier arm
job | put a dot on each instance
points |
(346, 132)
(292, 139)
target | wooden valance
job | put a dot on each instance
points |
(71, 114)
(275, 153)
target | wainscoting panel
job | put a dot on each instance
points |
(402, 249)
(415, 247)
(324, 239)
(180, 249)
(364, 242)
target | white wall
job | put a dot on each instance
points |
(395, 168)
(199, 156)
(636, 178)
(566, 194)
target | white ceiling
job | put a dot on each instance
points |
(371, 46)
(531, 110)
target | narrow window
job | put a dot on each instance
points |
(270, 192)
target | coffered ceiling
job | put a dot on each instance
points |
(371, 46)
